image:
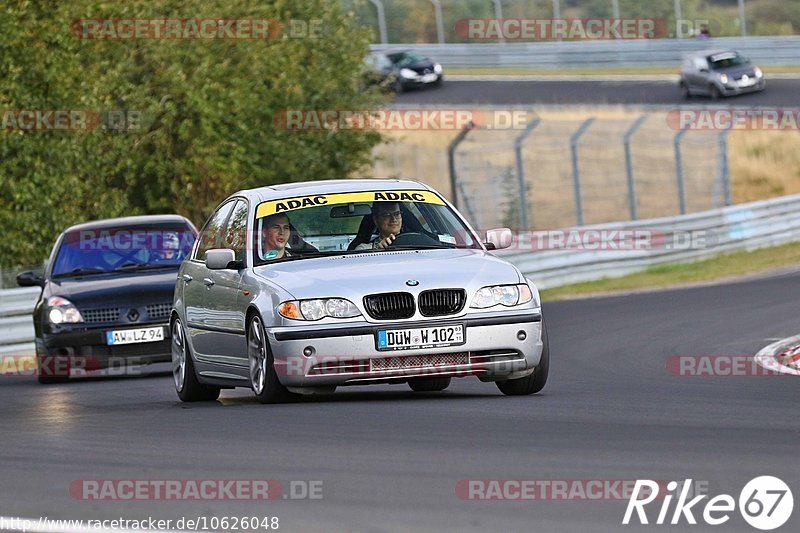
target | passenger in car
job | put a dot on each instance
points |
(275, 233)
(388, 220)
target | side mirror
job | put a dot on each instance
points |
(29, 279)
(498, 239)
(221, 259)
(703, 69)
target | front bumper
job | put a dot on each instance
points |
(87, 348)
(497, 346)
(732, 88)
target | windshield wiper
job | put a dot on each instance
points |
(80, 271)
(143, 266)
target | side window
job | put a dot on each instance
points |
(236, 232)
(212, 237)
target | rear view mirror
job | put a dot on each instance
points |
(29, 279)
(498, 239)
(220, 259)
(350, 210)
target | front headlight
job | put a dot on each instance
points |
(408, 73)
(505, 295)
(318, 309)
(62, 311)
(437, 68)
(759, 73)
(723, 78)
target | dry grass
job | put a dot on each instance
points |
(762, 165)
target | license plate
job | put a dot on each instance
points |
(135, 336)
(747, 83)
(407, 339)
(428, 78)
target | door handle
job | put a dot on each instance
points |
(208, 281)
(186, 278)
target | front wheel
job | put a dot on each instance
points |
(715, 93)
(685, 94)
(535, 382)
(189, 389)
(263, 379)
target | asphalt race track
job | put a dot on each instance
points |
(389, 459)
(778, 93)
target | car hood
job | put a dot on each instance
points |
(117, 290)
(737, 71)
(420, 67)
(354, 275)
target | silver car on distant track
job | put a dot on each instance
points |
(718, 73)
(298, 288)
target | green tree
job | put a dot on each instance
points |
(207, 112)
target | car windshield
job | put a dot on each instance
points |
(343, 223)
(403, 59)
(121, 249)
(725, 60)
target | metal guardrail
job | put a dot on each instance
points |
(602, 54)
(739, 227)
(16, 324)
(727, 229)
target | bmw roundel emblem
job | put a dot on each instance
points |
(412, 282)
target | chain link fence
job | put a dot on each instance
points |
(572, 172)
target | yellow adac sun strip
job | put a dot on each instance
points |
(285, 205)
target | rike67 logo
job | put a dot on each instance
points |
(765, 503)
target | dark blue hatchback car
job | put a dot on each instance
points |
(107, 294)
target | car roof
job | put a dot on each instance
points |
(132, 222)
(310, 188)
(707, 53)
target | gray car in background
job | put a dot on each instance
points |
(718, 73)
(325, 305)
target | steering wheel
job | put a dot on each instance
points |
(414, 239)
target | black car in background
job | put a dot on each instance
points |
(380, 71)
(415, 70)
(107, 294)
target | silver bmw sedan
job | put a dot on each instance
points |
(299, 288)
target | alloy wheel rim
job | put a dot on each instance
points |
(178, 356)
(258, 357)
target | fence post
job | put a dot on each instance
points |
(381, 21)
(629, 166)
(679, 171)
(451, 159)
(678, 22)
(498, 14)
(523, 195)
(722, 166)
(437, 11)
(576, 176)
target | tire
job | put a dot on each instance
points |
(685, 94)
(428, 384)
(714, 92)
(536, 381)
(397, 86)
(187, 386)
(263, 378)
(52, 369)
